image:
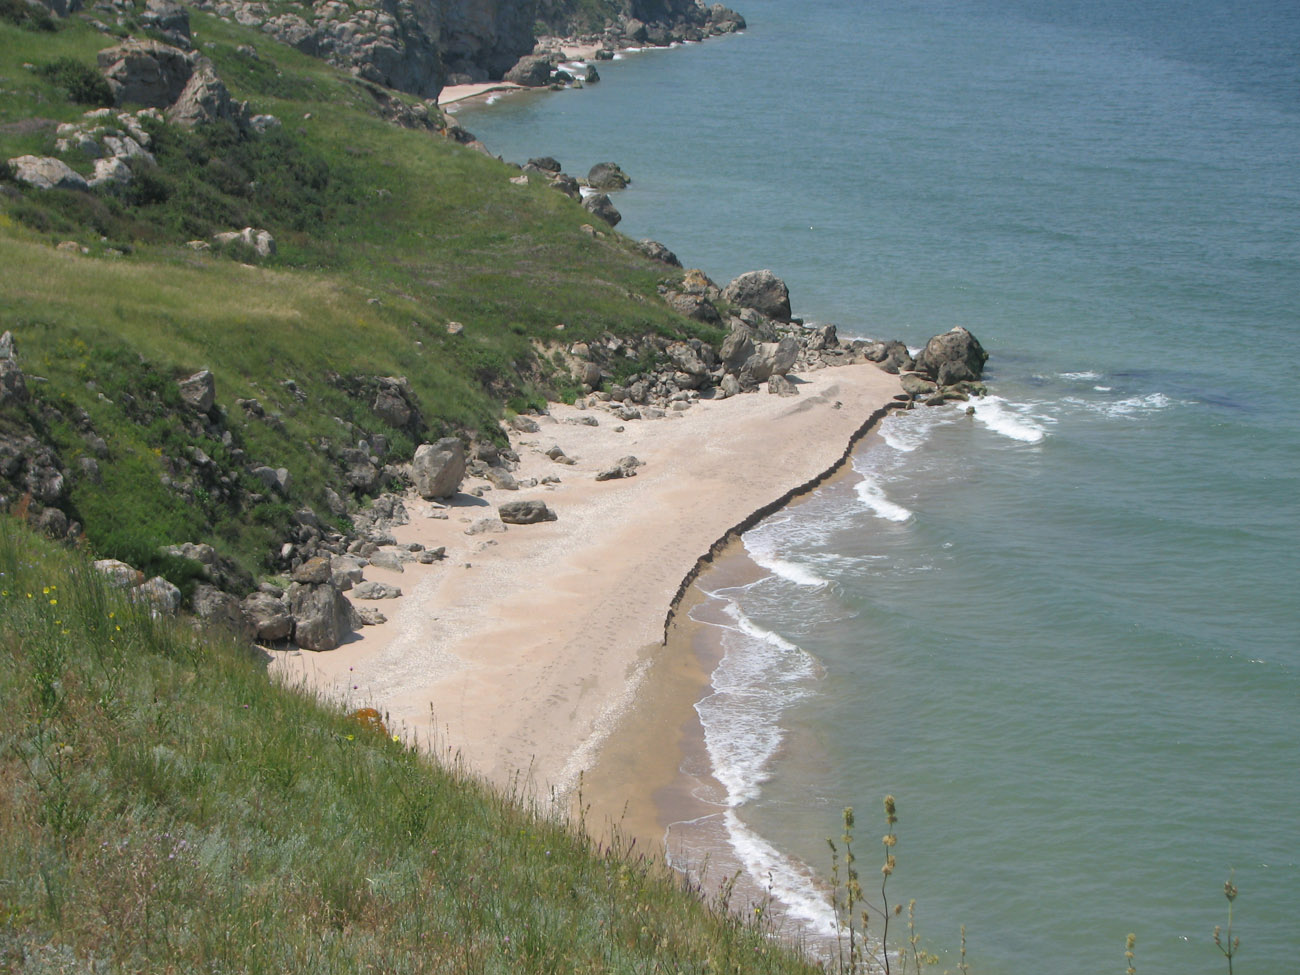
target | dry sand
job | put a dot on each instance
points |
(521, 651)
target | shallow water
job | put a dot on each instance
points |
(1062, 631)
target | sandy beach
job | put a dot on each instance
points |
(521, 651)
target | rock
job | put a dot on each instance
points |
(322, 616)
(892, 356)
(730, 385)
(387, 560)
(47, 173)
(525, 512)
(439, 468)
(276, 479)
(607, 176)
(582, 421)
(455, 328)
(545, 164)
(953, 357)
(737, 349)
(220, 609)
(502, 479)
(163, 597)
(170, 19)
(13, 384)
(524, 424)
(598, 205)
(658, 252)
(773, 360)
(695, 307)
(206, 99)
(146, 72)
(822, 339)
(376, 590)
(269, 616)
(917, 386)
(761, 290)
(392, 402)
(684, 358)
(696, 282)
(531, 71)
(558, 455)
(432, 555)
(486, 526)
(369, 616)
(119, 574)
(313, 572)
(199, 391)
(569, 187)
(781, 386)
(261, 241)
(345, 572)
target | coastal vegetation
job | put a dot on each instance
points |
(166, 807)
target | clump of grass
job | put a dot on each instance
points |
(82, 83)
(1225, 941)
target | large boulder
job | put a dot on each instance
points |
(892, 356)
(761, 290)
(598, 204)
(13, 385)
(393, 401)
(47, 173)
(146, 72)
(438, 468)
(607, 176)
(773, 360)
(531, 71)
(170, 19)
(322, 616)
(525, 512)
(953, 357)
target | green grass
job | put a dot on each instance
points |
(384, 236)
(167, 808)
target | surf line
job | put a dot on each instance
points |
(754, 517)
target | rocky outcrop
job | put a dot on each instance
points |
(531, 71)
(486, 35)
(259, 241)
(170, 19)
(47, 173)
(199, 391)
(439, 468)
(658, 252)
(148, 73)
(607, 176)
(205, 99)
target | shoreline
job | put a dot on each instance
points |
(526, 683)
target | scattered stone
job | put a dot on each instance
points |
(658, 252)
(524, 424)
(484, 526)
(261, 241)
(369, 616)
(582, 421)
(387, 560)
(376, 590)
(525, 512)
(782, 386)
(455, 328)
(199, 391)
(598, 205)
(119, 574)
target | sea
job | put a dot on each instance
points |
(1062, 631)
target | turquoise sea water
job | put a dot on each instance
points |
(1062, 632)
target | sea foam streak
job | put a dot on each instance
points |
(873, 496)
(760, 675)
(761, 548)
(787, 880)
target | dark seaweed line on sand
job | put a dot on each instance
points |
(771, 507)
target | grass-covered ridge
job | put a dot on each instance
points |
(167, 808)
(384, 236)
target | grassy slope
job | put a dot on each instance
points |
(384, 234)
(166, 808)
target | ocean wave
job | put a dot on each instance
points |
(788, 880)
(761, 547)
(873, 496)
(760, 675)
(1012, 420)
(1081, 377)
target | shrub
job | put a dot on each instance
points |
(26, 15)
(83, 84)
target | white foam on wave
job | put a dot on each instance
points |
(761, 547)
(587, 191)
(788, 880)
(908, 429)
(1082, 377)
(873, 496)
(1012, 420)
(1127, 408)
(760, 675)
(493, 99)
